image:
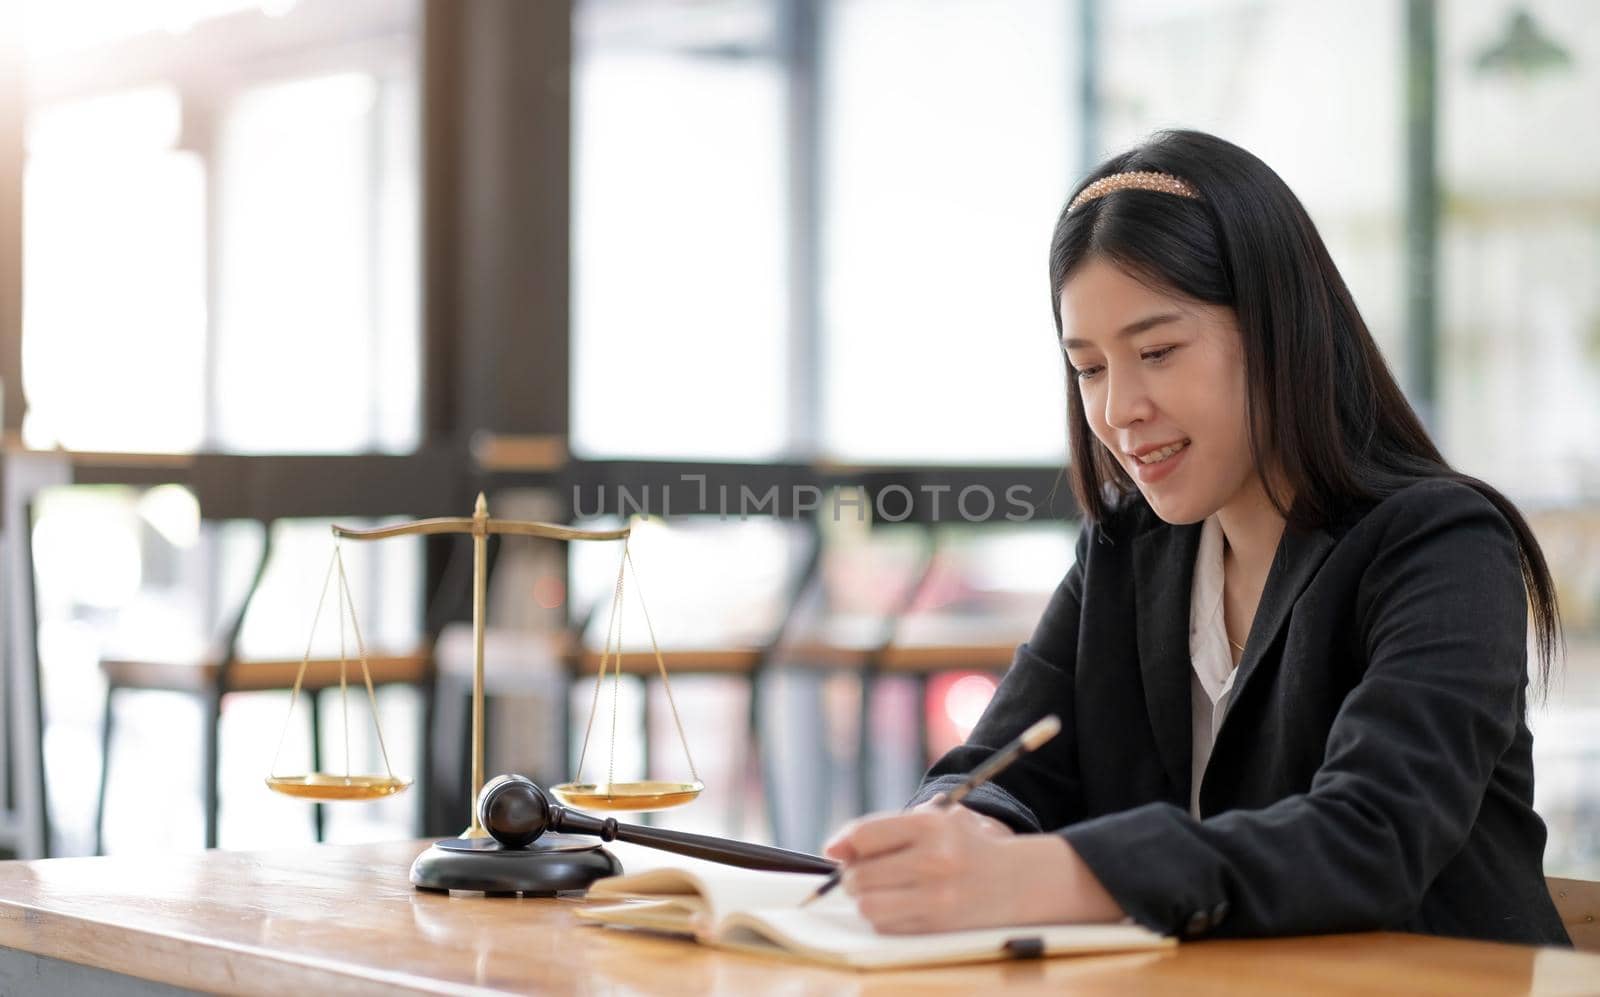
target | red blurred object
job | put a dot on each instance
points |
(955, 702)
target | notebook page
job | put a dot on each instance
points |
(724, 889)
(679, 916)
(835, 932)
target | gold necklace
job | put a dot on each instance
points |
(1237, 645)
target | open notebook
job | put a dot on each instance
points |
(759, 911)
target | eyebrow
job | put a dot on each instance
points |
(1131, 329)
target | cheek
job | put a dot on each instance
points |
(1234, 415)
(1223, 418)
(1094, 412)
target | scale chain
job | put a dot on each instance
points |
(305, 659)
(660, 664)
(345, 600)
(611, 655)
(616, 677)
(344, 685)
(600, 675)
(366, 673)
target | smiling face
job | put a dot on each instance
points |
(1162, 379)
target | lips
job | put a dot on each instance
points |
(1163, 461)
(1156, 452)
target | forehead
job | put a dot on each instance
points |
(1099, 299)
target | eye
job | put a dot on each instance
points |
(1156, 356)
(1085, 373)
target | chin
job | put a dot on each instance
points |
(1177, 511)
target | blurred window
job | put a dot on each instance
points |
(317, 342)
(225, 259)
(948, 137)
(680, 297)
(114, 284)
(1520, 305)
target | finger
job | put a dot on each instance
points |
(934, 802)
(904, 868)
(882, 834)
(843, 844)
(839, 851)
(839, 846)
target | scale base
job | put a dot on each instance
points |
(556, 863)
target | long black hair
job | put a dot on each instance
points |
(1324, 409)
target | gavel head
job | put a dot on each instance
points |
(514, 810)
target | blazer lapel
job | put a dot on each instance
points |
(1299, 556)
(1163, 574)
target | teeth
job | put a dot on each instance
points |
(1157, 456)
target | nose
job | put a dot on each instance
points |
(1126, 400)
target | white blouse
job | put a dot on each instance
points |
(1211, 685)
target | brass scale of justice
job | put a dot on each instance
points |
(522, 839)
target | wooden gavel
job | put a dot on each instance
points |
(515, 812)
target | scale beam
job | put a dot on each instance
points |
(463, 524)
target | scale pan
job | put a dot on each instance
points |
(323, 786)
(636, 797)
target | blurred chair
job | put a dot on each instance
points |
(24, 808)
(583, 663)
(227, 672)
(920, 662)
(1578, 903)
(919, 646)
(748, 664)
(842, 619)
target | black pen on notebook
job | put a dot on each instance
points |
(1029, 740)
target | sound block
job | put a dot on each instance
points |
(555, 863)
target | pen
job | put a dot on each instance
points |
(1029, 740)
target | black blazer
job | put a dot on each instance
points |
(1373, 770)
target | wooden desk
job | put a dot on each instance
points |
(342, 919)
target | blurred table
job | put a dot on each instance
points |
(342, 919)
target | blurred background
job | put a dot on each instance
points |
(766, 277)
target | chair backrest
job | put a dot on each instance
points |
(1578, 903)
(24, 806)
(229, 649)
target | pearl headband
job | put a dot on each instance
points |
(1162, 183)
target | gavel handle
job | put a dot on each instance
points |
(739, 853)
(700, 846)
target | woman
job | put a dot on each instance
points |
(1291, 656)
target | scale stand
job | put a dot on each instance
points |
(475, 861)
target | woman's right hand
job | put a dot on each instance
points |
(950, 868)
(983, 821)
